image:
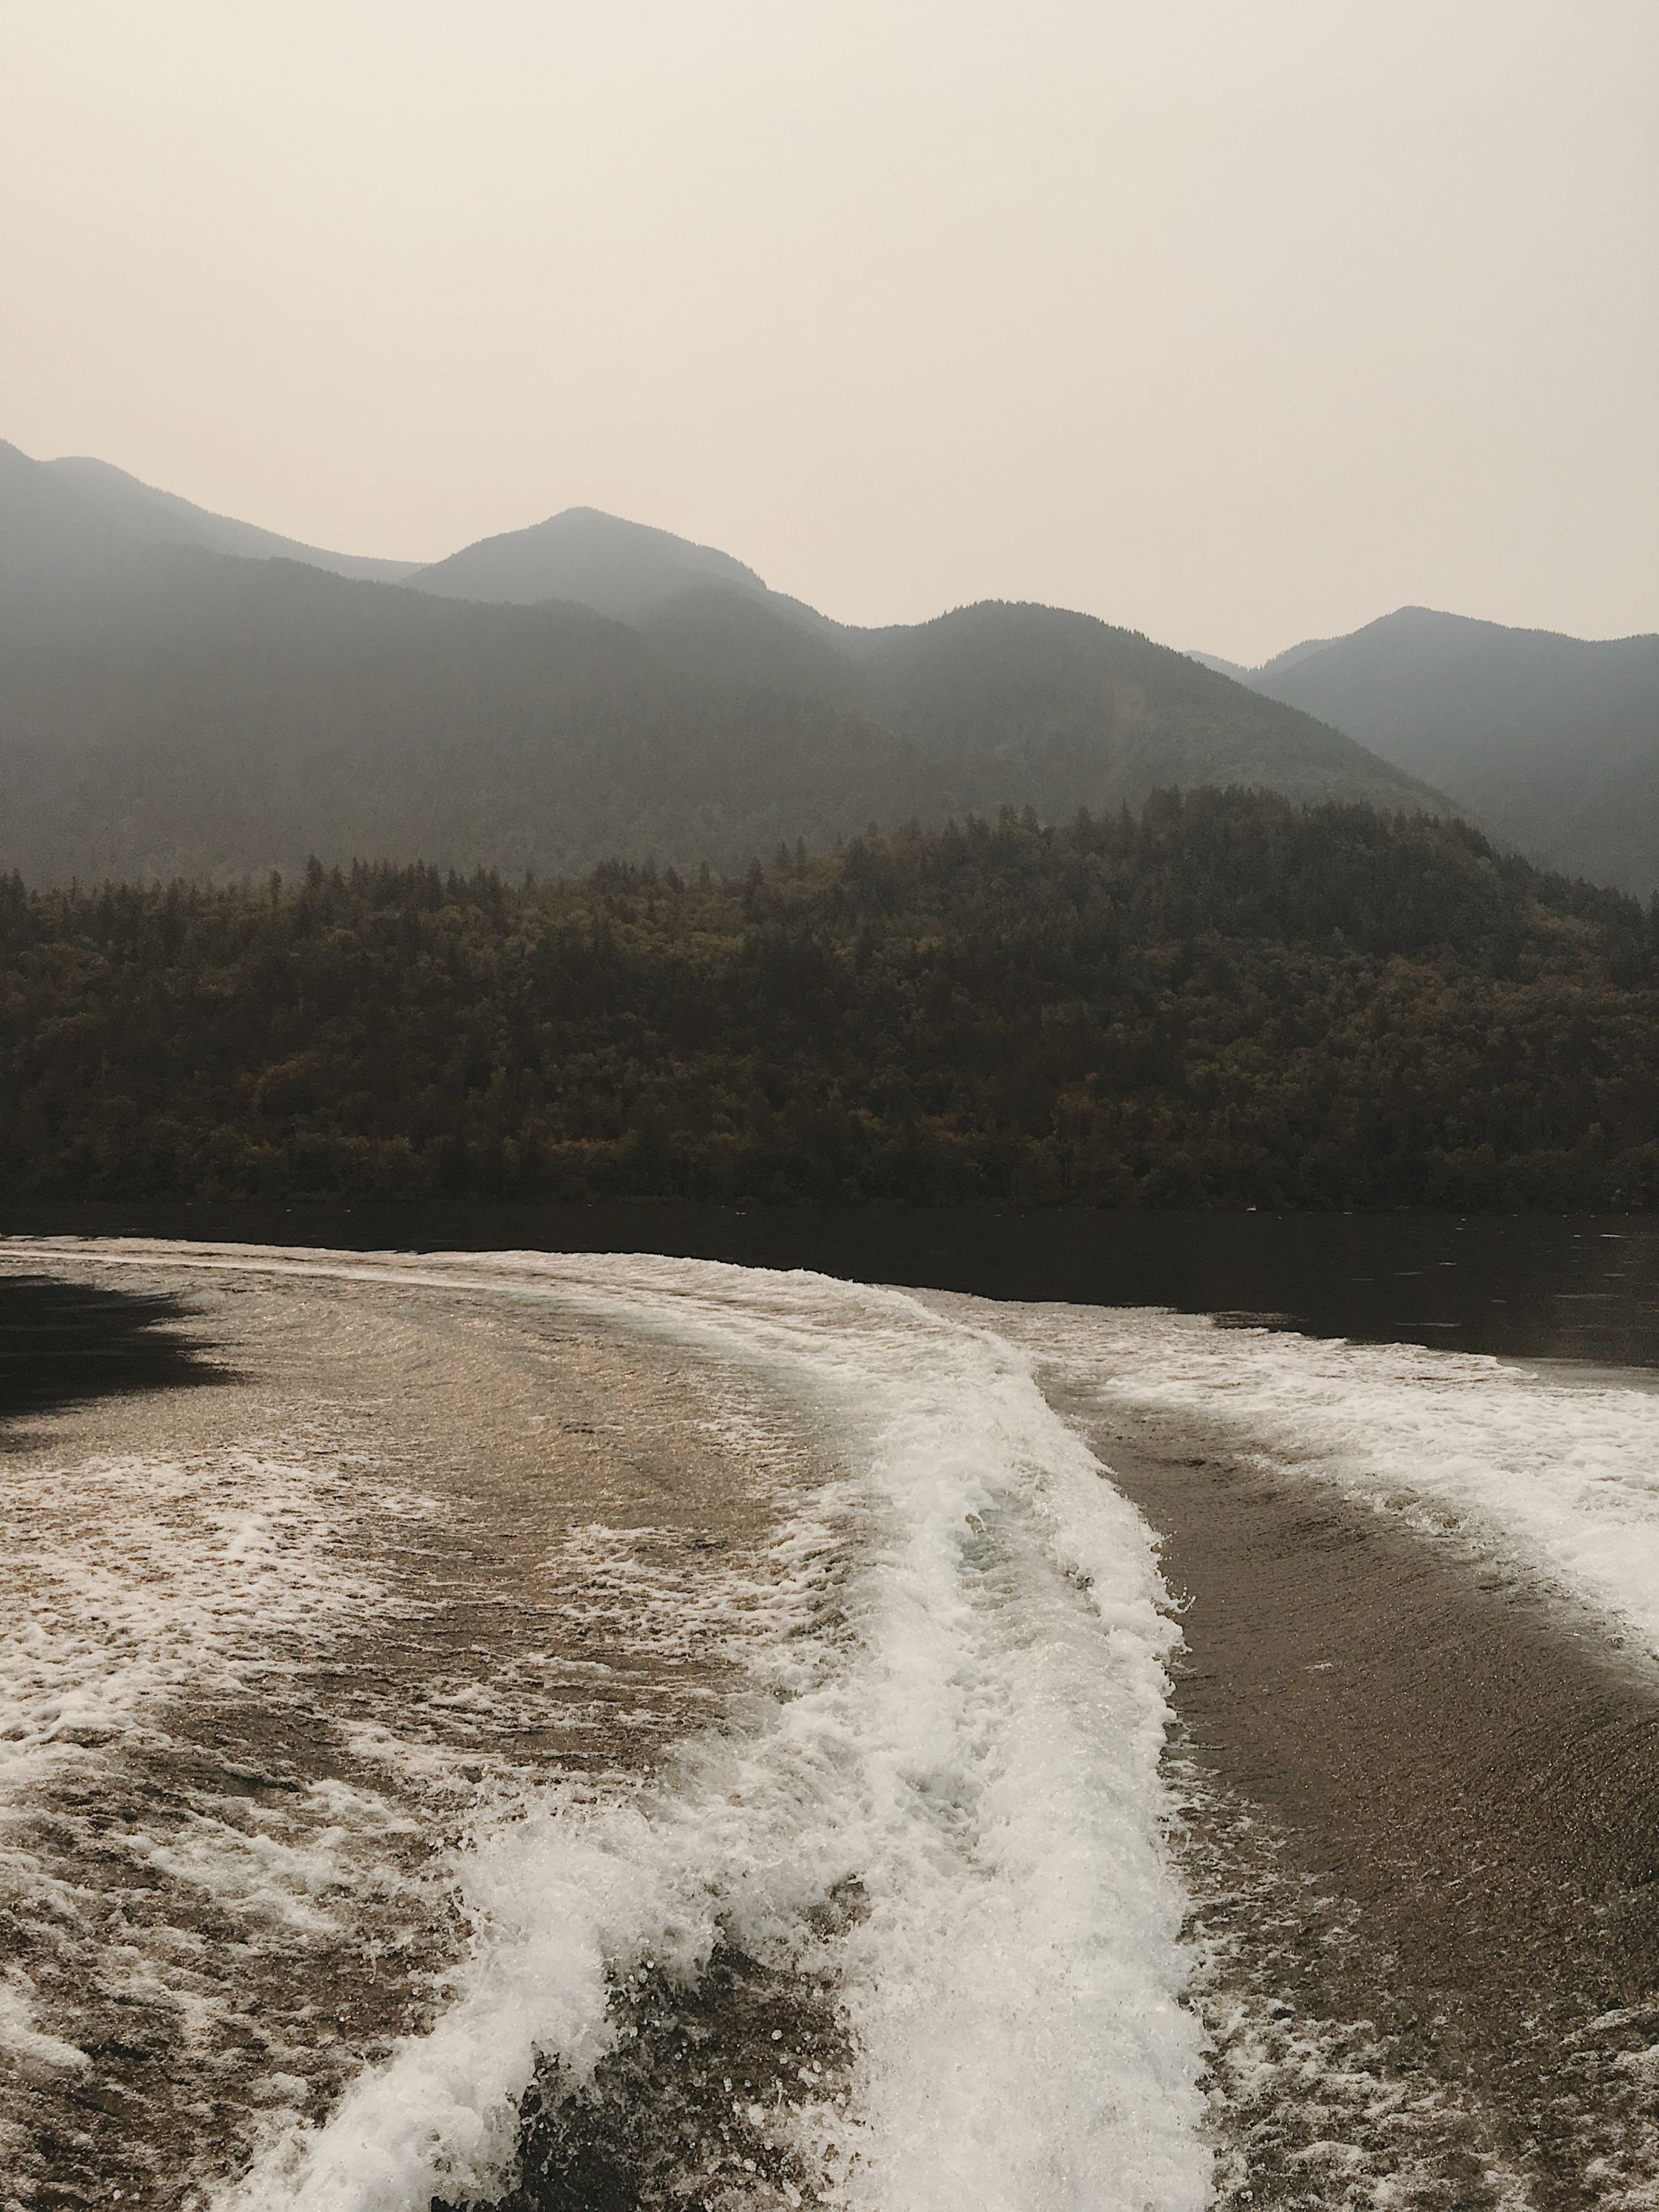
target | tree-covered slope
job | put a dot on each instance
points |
(1230, 1001)
(174, 713)
(1553, 742)
(213, 719)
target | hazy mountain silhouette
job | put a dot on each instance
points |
(1242, 673)
(206, 717)
(1552, 741)
(1077, 711)
(75, 513)
(170, 710)
(619, 568)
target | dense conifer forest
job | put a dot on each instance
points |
(1228, 1001)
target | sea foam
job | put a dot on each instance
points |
(1555, 1473)
(937, 1805)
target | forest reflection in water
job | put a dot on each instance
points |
(66, 1343)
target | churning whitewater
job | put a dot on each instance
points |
(891, 1922)
(613, 1734)
(1555, 1474)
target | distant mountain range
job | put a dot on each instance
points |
(181, 693)
(67, 519)
(1551, 743)
(75, 515)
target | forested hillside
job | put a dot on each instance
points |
(1228, 1001)
(212, 717)
(182, 708)
(1551, 742)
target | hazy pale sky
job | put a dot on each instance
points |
(1235, 321)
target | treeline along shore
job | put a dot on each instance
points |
(1230, 1001)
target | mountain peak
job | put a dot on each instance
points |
(77, 510)
(621, 568)
(1547, 739)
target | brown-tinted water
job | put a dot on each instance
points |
(1415, 1718)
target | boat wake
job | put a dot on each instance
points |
(649, 1733)
(1554, 1475)
(900, 1928)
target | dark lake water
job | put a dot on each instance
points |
(64, 1342)
(1583, 1287)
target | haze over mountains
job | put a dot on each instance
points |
(183, 693)
(1550, 742)
(621, 568)
(175, 700)
(62, 517)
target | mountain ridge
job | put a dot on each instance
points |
(97, 497)
(166, 708)
(1551, 740)
(620, 567)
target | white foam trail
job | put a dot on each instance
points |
(1555, 1474)
(146, 1576)
(139, 1594)
(956, 1731)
